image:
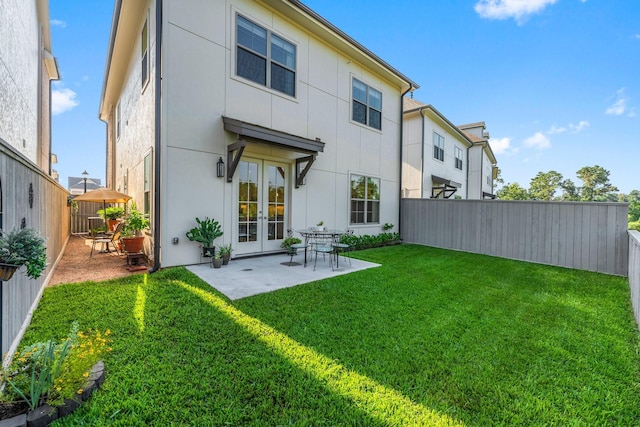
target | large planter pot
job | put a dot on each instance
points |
(133, 244)
(226, 258)
(7, 270)
(216, 262)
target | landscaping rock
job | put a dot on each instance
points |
(68, 407)
(17, 421)
(88, 389)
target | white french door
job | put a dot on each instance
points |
(261, 205)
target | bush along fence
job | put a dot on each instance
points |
(368, 241)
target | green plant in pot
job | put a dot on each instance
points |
(205, 233)
(286, 244)
(225, 253)
(111, 214)
(133, 239)
(217, 260)
(22, 247)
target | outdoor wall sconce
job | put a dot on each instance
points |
(220, 168)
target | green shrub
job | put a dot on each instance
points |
(635, 225)
(370, 241)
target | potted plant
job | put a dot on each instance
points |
(22, 247)
(287, 245)
(216, 262)
(205, 233)
(225, 253)
(111, 215)
(133, 239)
(320, 226)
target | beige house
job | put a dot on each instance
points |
(260, 114)
(442, 160)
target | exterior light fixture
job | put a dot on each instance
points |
(220, 168)
(85, 175)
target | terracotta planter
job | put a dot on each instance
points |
(133, 244)
(7, 270)
(112, 224)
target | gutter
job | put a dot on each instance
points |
(158, 126)
(412, 86)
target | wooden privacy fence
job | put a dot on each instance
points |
(85, 217)
(634, 272)
(586, 236)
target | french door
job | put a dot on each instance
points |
(261, 205)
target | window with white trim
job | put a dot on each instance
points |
(366, 105)
(438, 146)
(144, 56)
(458, 160)
(365, 200)
(264, 57)
(147, 184)
(118, 117)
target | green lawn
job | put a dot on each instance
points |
(433, 337)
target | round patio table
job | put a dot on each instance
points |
(310, 233)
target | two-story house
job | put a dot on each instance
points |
(260, 114)
(442, 160)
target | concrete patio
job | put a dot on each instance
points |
(244, 277)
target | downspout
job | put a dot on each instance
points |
(466, 186)
(411, 87)
(422, 154)
(157, 125)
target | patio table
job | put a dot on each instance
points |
(310, 233)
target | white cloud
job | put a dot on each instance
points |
(62, 100)
(519, 10)
(555, 129)
(58, 23)
(621, 105)
(538, 141)
(637, 36)
(500, 145)
(580, 126)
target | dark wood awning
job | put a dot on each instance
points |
(446, 189)
(309, 147)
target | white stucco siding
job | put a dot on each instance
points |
(19, 71)
(446, 168)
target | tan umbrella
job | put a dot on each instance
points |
(103, 195)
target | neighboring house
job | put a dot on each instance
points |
(76, 185)
(29, 196)
(483, 168)
(442, 160)
(302, 122)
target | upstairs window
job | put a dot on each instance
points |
(365, 200)
(118, 117)
(265, 58)
(438, 146)
(367, 105)
(458, 160)
(144, 45)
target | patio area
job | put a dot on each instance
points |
(242, 277)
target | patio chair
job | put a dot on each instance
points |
(345, 248)
(323, 244)
(113, 239)
(294, 247)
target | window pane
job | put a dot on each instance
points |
(373, 189)
(283, 79)
(359, 91)
(252, 36)
(283, 52)
(357, 187)
(375, 99)
(375, 118)
(357, 212)
(359, 113)
(373, 212)
(251, 66)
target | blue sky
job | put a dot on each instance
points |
(557, 82)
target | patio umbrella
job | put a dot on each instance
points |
(103, 195)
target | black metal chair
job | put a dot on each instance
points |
(345, 248)
(293, 249)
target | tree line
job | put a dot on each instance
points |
(596, 187)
